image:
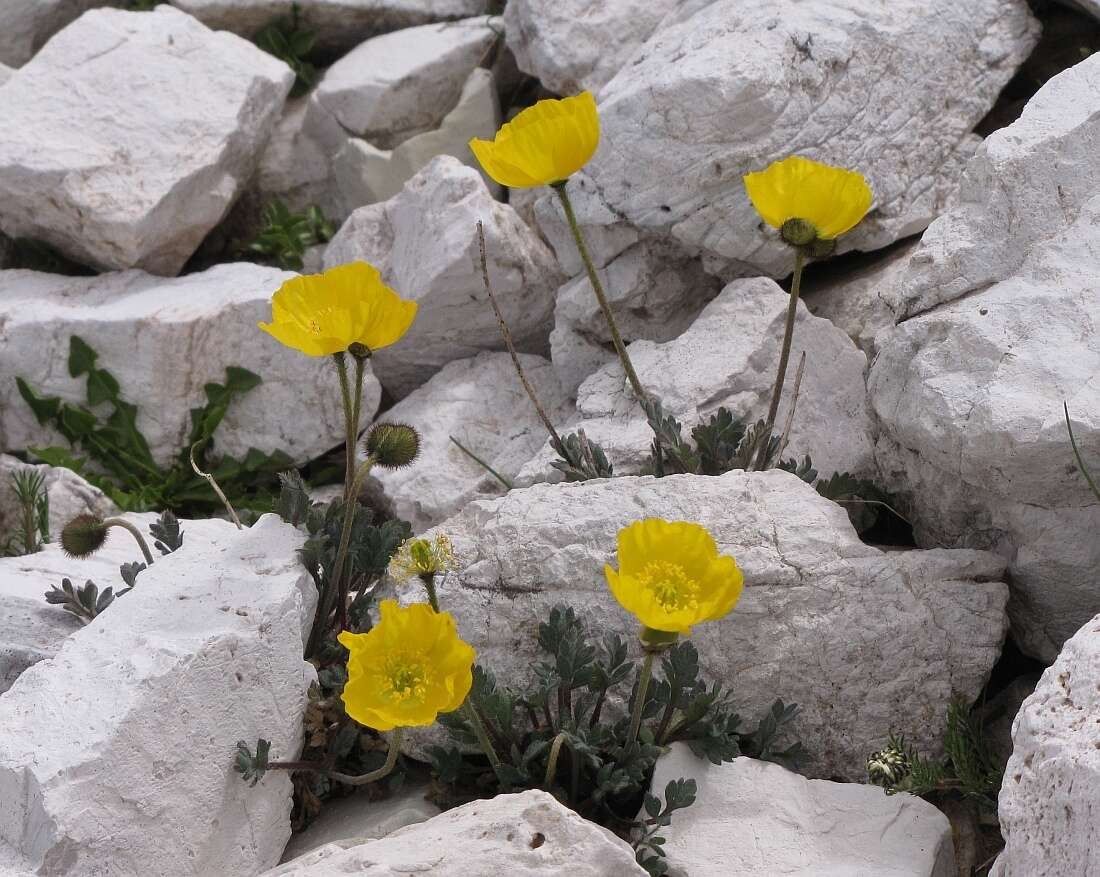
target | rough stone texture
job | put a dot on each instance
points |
(524, 835)
(5, 74)
(403, 83)
(127, 138)
(1049, 805)
(737, 84)
(164, 339)
(131, 725)
(482, 403)
(352, 820)
(338, 24)
(69, 495)
(296, 164)
(728, 358)
(363, 173)
(654, 294)
(865, 641)
(424, 241)
(862, 300)
(26, 24)
(752, 818)
(565, 44)
(969, 397)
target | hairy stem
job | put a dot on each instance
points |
(639, 701)
(348, 779)
(214, 486)
(552, 761)
(507, 484)
(784, 358)
(1077, 454)
(597, 288)
(474, 718)
(133, 531)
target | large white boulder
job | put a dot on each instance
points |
(529, 834)
(128, 136)
(654, 293)
(424, 241)
(751, 818)
(403, 83)
(728, 357)
(1003, 306)
(363, 173)
(566, 44)
(26, 24)
(163, 339)
(866, 642)
(1048, 802)
(337, 25)
(116, 754)
(482, 404)
(726, 87)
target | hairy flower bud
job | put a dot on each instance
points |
(83, 536)
(393, 445)
(798, 232)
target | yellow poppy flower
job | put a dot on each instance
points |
(671, 576)
(831, 199)
(322, 314)
(545, 144)
(409, 668)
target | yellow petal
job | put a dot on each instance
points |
(544, 144)
(832, 199)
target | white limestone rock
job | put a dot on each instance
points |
(25, 25)
(726, 87)
(752, 818)
(866, 642)
(1048, 806)
(654, 293)
(338, 25)
(728, 357)
(116, 754)
(358, 818)
(364, 174)
(424, 241)
(5, 74)
(565, 44)
(296, 164)
(163, 339)
(69, 495)
(403, 83)
(128, 136)
(969, 401)
(529, 834)
(865, 299)
(482, 404)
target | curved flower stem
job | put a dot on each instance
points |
(784, 358)
(348, 779)
(350, 426)
(214, 486)
(552, 761)
(639, 699)
(597, 288)
(133, 531)
(1077, 454)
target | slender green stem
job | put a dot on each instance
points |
(1077, 454)
(350, 425)
(507, 484)
(133, 531)
(351, 500)
(428, 580)
(666, 719)
(348, 779)
(784, 358)
(552, 761)
(639, 699)
(597, 288)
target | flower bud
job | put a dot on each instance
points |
(393, 445)
(823, 249)
(798, 232)
(83, 536)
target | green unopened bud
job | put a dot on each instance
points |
(421, 552)
(393, 445)
(823, 249)
(798, 232)
(83, 536)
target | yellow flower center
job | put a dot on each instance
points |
(405, 677)
(671, 586)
